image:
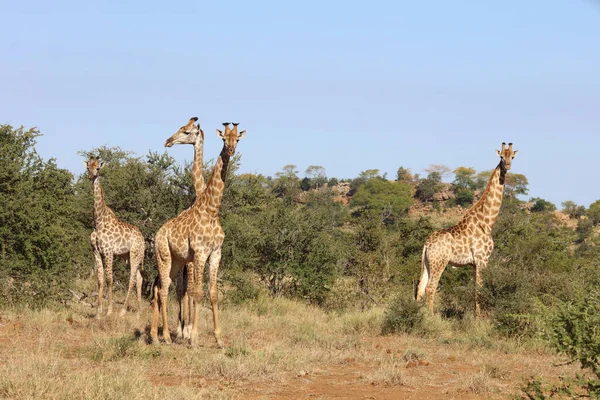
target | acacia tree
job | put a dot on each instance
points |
(316, 175)
(441, 169)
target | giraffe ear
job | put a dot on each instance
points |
(498, 153)
(101, 164)
(85, 163)
(515, 152)
(220, 134)
(241, 134)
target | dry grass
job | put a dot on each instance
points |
(272, 346)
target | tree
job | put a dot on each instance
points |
(570, 208)
(384, 197)
(541, 205)
(42, 245)
(443, 170)
(404, 175)
(429, 186)
(464, 178)
(515, 185)
(594, 212)
(363, 177)
(287, 182)
(316, 175)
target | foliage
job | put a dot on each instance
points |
(403, 315)
(515, 185)
(572, 209)
(464, 178)
(40, 252)
(316, 176)
(440, 169)
(429, 186)
(574, 331)
(363, 178)
(404, 175)
(541, 205)
(387, 199)
(594, 212)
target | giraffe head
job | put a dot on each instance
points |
(230, 137)
(93, 167)
(506, 155)
(187, 134)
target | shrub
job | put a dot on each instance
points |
(403, 315)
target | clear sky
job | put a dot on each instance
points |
(343, 84)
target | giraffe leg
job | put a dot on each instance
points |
(108, 265)
(155, 310)
(195, 289)
(188, 304)
(100, 279)
(182, 296)
(215, 259)
(138, 287)
(161, 288)
(422, 284)
(134, 262)
(436, 270)
(478, 269)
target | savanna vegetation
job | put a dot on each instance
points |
(342, 249)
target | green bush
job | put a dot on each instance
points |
(403, 315)
(573, 329)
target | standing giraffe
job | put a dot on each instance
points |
(470, 241)
(113, 237)
(188, 134)
(195, 236)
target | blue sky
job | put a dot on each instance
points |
(346, 85)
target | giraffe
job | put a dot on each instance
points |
(188, 134)
(113, 237)
(194, 236)
(470, 241)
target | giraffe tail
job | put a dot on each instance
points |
(422, 282)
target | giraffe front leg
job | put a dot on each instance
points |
(133, 271)
(108, 264)
(215, 260)
(188, 307)
(478, 269)
(195, 289)
(138, 286)
(100, 280)
(181, 292)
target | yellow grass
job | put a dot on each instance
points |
(271, 345)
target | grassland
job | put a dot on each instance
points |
(275, 348)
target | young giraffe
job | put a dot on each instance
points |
(113, 237)
(194, 236)
(470, 241)
(188, 134)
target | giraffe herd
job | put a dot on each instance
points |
(184, 244)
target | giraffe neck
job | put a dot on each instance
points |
(491, 199)
(99, 205)
(213, 195)
(197, 175)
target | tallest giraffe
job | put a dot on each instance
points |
(470, 241)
